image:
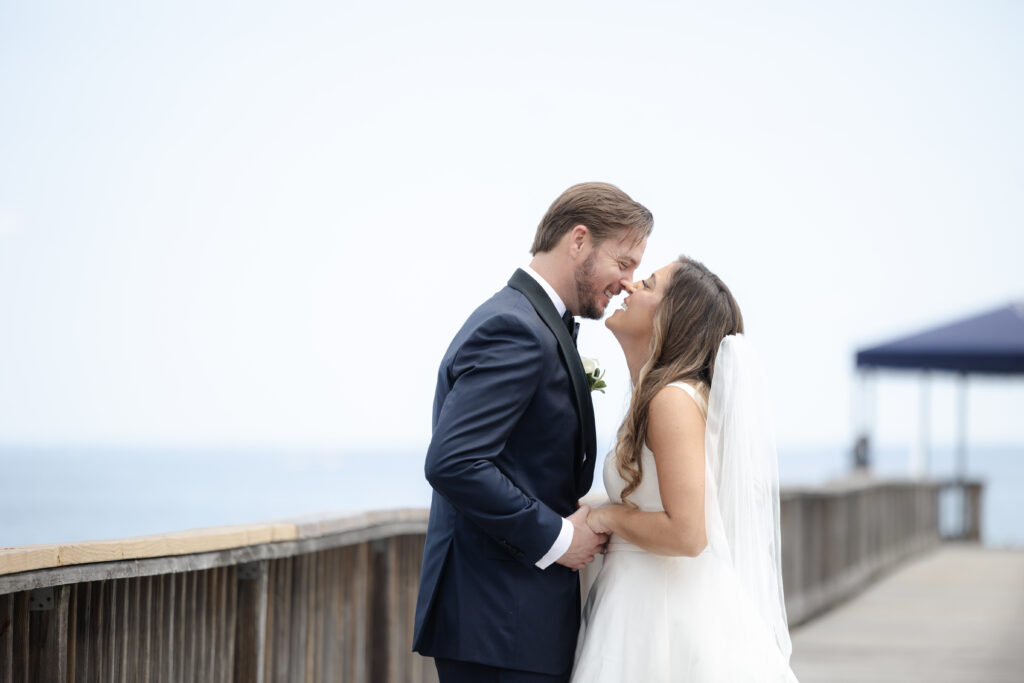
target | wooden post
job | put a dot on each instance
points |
(377, 624)
(6, 638)
(48, 634)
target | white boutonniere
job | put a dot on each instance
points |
(594, 374)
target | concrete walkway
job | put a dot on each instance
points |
(954, 615)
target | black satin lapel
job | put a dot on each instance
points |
(541, 302)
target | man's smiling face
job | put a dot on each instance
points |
(604, 272)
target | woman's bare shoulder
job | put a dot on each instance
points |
(673, 415)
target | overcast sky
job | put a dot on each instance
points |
(260, 224)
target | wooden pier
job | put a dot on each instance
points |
(955, 615)
(332, 599)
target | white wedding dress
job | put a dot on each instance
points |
(654, 618)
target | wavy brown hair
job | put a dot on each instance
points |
(695, 314)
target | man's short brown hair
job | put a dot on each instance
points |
(603, 208)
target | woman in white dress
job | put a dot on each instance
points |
(691, 586)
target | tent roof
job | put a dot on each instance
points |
(992, 342)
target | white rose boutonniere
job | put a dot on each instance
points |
(594, 374)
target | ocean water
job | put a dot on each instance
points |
(50, 495)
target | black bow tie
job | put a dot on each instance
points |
(571, 325)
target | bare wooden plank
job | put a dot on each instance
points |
(358, 592)
(299, 619)
(318, 525)
(330, 582)
(348, 605)
(48, 638)
(362, 585)
(255, 625)
(212, 619)
(114, 633)
(105, 570)
(6, 639)
(146, 629)
(83, 637)
(279, 649)
(32, 557)
(123, 629)
(167, 612)
(134, 669)
(376, 651)
(28, 558)
(98, 631)
(190, 670)
(200, 626)
(226, 663)
(310, 599)
(161, 545)
(325, 629)
(180, 582)
(230, 624)
(154, 623)
(20, 632)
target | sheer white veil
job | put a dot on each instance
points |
(742, 482)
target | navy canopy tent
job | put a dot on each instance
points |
(991, 343)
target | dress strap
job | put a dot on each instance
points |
(702, 405)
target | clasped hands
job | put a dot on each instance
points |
(589, 537)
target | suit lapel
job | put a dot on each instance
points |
(541, 302)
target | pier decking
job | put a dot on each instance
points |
(954, 615)
(332, 598)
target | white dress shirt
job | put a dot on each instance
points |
(564, 539)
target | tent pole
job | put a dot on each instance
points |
(861, 419)
(920, 465)
(961, 429)
(961, 454)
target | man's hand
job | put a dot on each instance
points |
(585, 543)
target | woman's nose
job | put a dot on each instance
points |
(630, 287)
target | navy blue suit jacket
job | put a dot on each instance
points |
(512, 451)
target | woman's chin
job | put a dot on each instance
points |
(614, 321)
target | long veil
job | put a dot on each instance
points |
(742, 483)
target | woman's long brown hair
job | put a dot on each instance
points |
(695, 314)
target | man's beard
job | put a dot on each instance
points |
(585, 292)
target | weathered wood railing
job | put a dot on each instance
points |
(317, 600)
(333, 599)
(837, 539)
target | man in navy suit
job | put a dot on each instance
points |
(513, 451)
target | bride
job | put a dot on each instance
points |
(691, 586)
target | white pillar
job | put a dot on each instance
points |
(961, 427)
(920, 456)
(862, 416)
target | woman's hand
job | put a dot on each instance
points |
(598, 519)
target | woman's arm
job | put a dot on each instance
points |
(675, 434)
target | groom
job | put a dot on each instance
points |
(512, 451)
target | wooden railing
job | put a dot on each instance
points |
(333, 599)
(320, 600)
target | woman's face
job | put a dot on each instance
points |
(635, 317)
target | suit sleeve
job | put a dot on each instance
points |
(495, 375)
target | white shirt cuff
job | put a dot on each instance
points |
(561, 545)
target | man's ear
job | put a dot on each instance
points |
(579, 239)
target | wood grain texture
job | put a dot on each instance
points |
(6, 638)
(251, 627)
(188, 542)
(334, 598)
(48, 635)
